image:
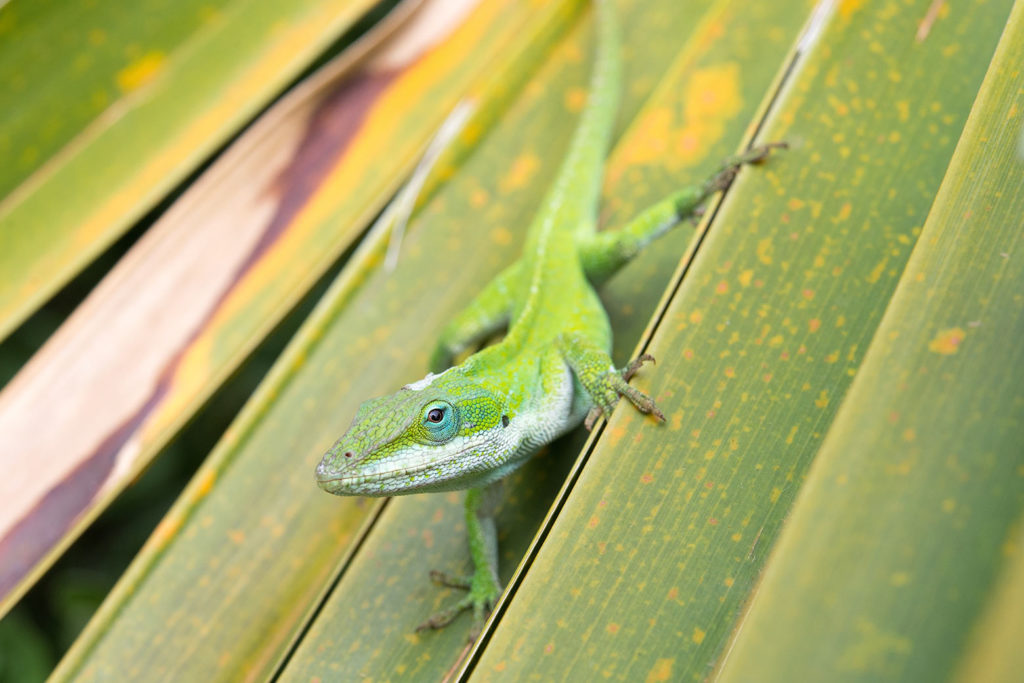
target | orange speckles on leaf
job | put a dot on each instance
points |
(140, 72)
(832, 357)
(844, 211)
(575, 99)
(593, 522)
(696, 317)
(673, 593)
(898, 579)
(612, 628)
(549, 648)
(795, 204)
(205, 484)
(698, 635)
(661, 671)
(646, 478)
(947, 342)
(167, 529)
(501, 236)
(520, 172)
(730, 372)
(237, 536)
(479, 198)
(876, 272)
(813, 325)
(792, 434)
(909, 434)
(722, 287)
(807, 294)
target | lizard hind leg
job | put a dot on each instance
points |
(604, 383)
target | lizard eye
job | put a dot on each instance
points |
(440, 420)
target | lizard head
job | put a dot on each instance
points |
(435, 434)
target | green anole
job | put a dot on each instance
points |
(472, 424)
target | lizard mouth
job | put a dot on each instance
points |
(354, 480)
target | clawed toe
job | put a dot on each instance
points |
(630, 370)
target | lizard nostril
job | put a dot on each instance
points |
(348, 454)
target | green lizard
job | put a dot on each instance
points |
(473, 424)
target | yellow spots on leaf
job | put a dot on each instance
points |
(575, 99)
(792, 434)
(844, 211)
(948, 505)
(501, 236)
(661, 671)
(765, 250)
(795, 204)
(877, 271)
(167, 529)
(832, 357)
(698, 635)
(520, 172)
(899, 579)
(947, 342)
(822, 400)
(730, 372)
(501, 666)
(736, 537)
(909, 434)
(729, 581)
(696, 317)
(140, 72)
(612, 628)
(775, 341)
(646, 478)
(840, 321)
(745, 277)
(813, 325)
(775, 494)
(479, 198)
(236, 536)
(205, 484)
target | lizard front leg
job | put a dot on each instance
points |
(483, 586)
(602, 380)
(485, 315)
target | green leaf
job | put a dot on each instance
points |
(913, 509)
(116, 104)
(661, 540)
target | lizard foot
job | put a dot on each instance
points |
(723, 179)
(484, 592)
(614, 386)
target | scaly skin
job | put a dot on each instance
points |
(473, 424)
